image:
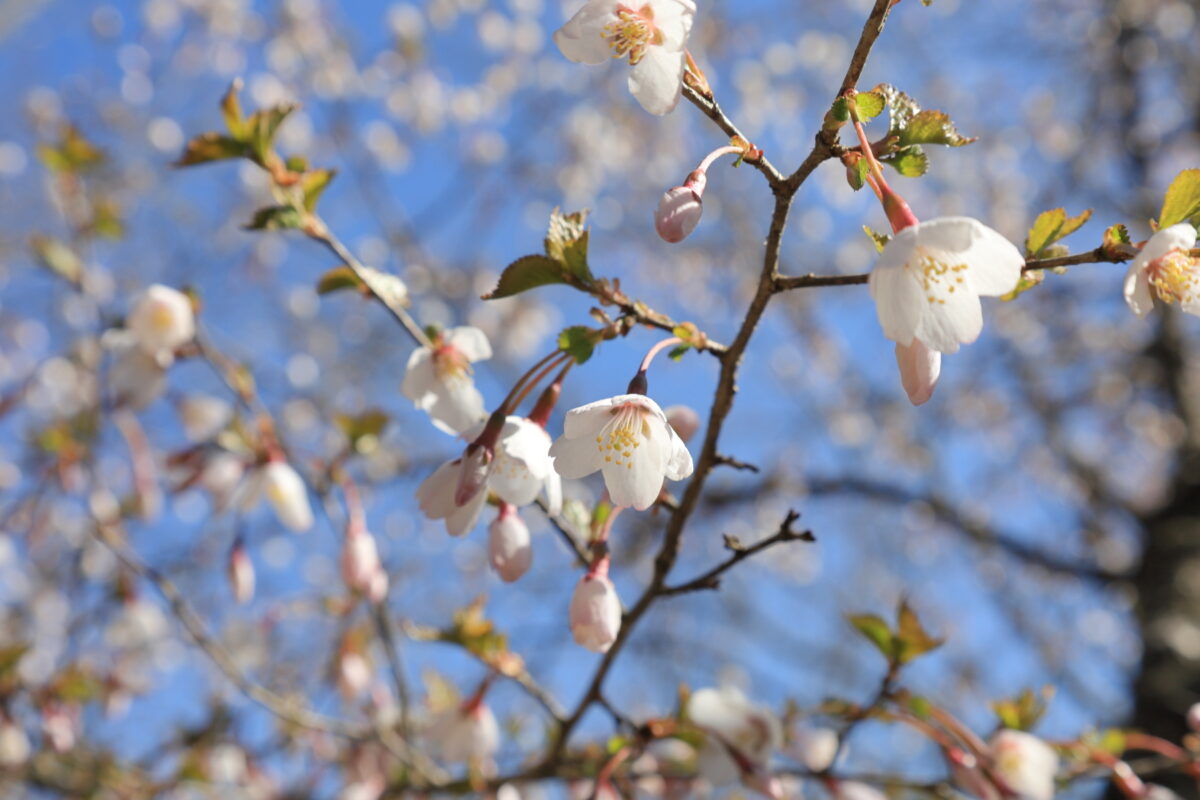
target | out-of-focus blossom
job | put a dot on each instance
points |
(241, 574)
(284, 490)
(816, 747)
(1165, 269)
(362, 571)
(741, 738)
(161, 320)
(14, 744)
(1024, 764)
(510, 551)
(595, 614)
(204, 416)
(628, 440)
(438, 379)
(684, 421)
(652, 33)
(436, 499)
(465, 733)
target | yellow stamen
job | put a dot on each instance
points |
(1174, 277)
(632, 32)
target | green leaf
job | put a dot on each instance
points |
(901, 108)
(211, 147)
(857, 175)
(313, 184)
(276, 218)
(880, 239)
(1182, 200)
(1027, 281)
(262, 126)
(911, 638)
(676, 353)
(231, 109)
(579, 341)
(528, 272)
(932, 127)
(911, 162)
(72, 153)
(567, 243)
(57, 256)
(1050, 226)
(876, 631)
(869, 104)
(362, 430)
(337, 279)
(1024, 711)
(837, 115)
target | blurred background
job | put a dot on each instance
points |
(1041, 512)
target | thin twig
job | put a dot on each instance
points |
(712, 578)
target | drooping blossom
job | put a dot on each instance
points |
(241, 574)
(438, 378)
(1024, 764)
(1165, 269)
(436, 499)
(628, 440)
(523, 467)
(652, 33)
(679, 210)
(595, 613)
(927, 286)
(465, 733)
(161, 320)
(362, 571)
(284, 490)
(510, 551)
(740, 739)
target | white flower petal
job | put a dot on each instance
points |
(435, 495)
(657, 80)
(673, 19)
(470, 341)
(919, 370)
(637, 479)
(553, 487)
(581, 39)
(586, 421)
(419, 376)
(575, 458)
(950, 320)
(679, 463)
(463, 518)
(899, 300)
(455, 406)
(1137, 290)
(1176, 237)
(994, 263)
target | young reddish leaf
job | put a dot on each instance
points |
(1182, 200)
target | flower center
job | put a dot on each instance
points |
(622, 436)
(449, 363)
(1174, 277)
(632, 32)
(162, 318)
(938, 276)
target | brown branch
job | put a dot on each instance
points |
(709, 107)
(870, 32)
(712, 578)
(810, 281)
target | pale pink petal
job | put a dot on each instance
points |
(464, 517)
(435, 495)
(673, 18)
(899, 299)
(587, 420)
(919, 370)
(581, 39)
(419, 376)
(1137, 291)
(656, 80)
(470, 341)
(1176, 237)
(679, 463)
(950, 319)
(576, 458)
(637, 479)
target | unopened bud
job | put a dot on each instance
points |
(510, 551)
(679, 211)
(684, 420)
(595, 614)
(161, 319)
(241, 574)
(361, 570)
(287, 495)
(353, 673)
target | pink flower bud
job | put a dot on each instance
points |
(361, 570)
(816, 747)
(595, 614)
(509, 549)
(241, 574)
(684, 420)
(1193, 717)
(161, 319)
(58, 726)
(353, 673)
(473, 473)
(679, 212)
(461, 735)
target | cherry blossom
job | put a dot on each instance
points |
(816, 747)
(1165, 269)
(510, 551)
(652, 33)
(136, 378)
(1193, 717)
(14, 744)
(523, 467)
(362, 571)
(161, 320)
(241, 574)
(284, 490)
(741, 738)
(436, 499)
(595, 614)
(853, 790)
(679, 210)
(927, 286)
(438, 378)
(683, 420)
(1024, 763)
(628, 440)
(465, 733)
(203, 416)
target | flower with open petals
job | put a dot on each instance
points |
(1024, 764)
(522, 467)
(465, 733)
(741, 737)
(284, 490)
(652, 33)
(161, 320)
(927, 286)
(627, 438)
(362, 571)
(438, 379)
(1165, 269)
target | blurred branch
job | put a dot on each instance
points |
(712, 578)
(953, 516)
